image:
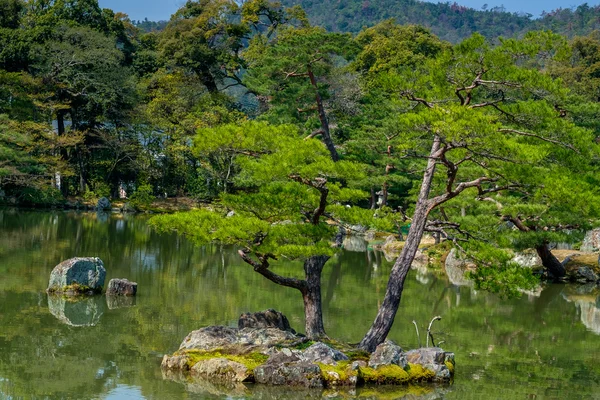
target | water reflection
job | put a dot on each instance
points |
(77, 311)
(515, 348)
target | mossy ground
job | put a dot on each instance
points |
(383, 375)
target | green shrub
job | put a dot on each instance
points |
(142, 197)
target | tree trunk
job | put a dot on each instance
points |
(311, 294)
(551, 264)
(387, 312)
(323, 117)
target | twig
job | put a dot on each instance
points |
(429, 335)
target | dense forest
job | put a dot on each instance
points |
(290, 130)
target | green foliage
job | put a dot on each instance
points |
(508, 280)
(142, 197)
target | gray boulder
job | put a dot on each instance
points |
(103, 204)
(121, 287)
(321, 353)
(264, 338)
(221, 369)
(388, 353)
(209, 338)
(175, 362)
(299, 374)
(79, 275)
(265, 319)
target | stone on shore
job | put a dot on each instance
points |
(79, 275)
(221, 369)
(300, 373)
(121, 287)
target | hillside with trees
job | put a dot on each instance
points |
(448, 20)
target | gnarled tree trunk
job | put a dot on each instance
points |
(551, 264)
(323, 117)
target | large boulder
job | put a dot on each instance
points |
(221, 369)
(388, 353)
(121, 287)
(591, 242)
(103, 204)
(80, 275)
(321, 353)
(265, 319)
(299, 374)
(209, 338)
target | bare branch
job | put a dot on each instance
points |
(262, 268)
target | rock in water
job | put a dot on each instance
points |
(121, 287)
(388, 353)
(221, 369)
(103, 204)
(265, 319)
(79, 275)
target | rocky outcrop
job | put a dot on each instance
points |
(591, 242)
(103, 204)
(265, 319)
(80, 275)
(121, 287)
(273, 356)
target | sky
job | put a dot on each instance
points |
(156, 10)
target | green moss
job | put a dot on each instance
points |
(358, 355)
(450, 366)
(342, 370)
(249, 360)
(385, 375)
(74, 288)
(303, 345)
(418, 373)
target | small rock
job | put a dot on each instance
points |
(302, 374)
(103, 204)
(321, 353)
(78, 276)
(265, 319)
(175, 362)
(434, 359)
(388, 353)
(121, 287)
(230, 214)
(221, 369)
(356, 365)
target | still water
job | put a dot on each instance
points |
(544, 345)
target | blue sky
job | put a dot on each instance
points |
(162, 9)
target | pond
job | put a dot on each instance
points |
(541, 345)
